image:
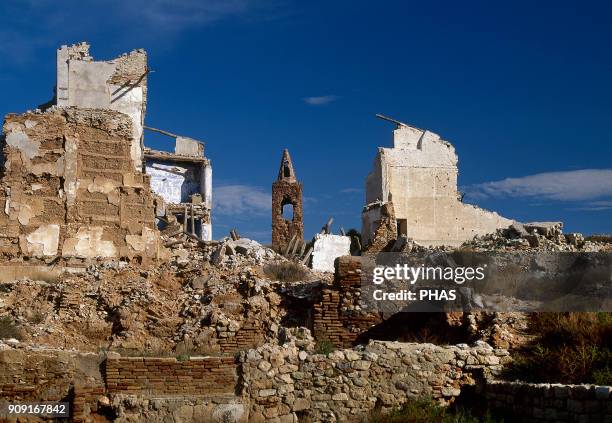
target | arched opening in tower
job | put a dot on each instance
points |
(287, 210)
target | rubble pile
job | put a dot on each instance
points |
(209, 298)
(539, 236)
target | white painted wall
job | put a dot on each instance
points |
(83, 82)
(327, 248)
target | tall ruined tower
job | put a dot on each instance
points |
(287, 220)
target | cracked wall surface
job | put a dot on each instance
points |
(419, 176)
(70, 188)
(119, 84)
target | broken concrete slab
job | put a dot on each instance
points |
(327, 248)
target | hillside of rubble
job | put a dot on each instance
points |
(224, 296)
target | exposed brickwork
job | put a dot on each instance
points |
(333, 319)
(168, 376)
(250, 335)
(286, 190)
(70, 188)
(85, 401)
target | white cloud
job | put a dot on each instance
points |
(241, 200)
(321, 100)
(351, 190)
(575, 185)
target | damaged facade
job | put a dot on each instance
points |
(287, 218)
(183, 180)
(418, 176)
(72, 184)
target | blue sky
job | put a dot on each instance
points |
(522, 90)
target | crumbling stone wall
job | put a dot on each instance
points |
(337, 317)
(70, 188)
(287, 382)
(48, 375)
(286, 190)
(250, 334)
(531, 402)
(381, 217)
(419, 175)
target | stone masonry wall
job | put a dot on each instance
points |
(286, 383)
(70, 188)
(168, 376)
(529, 402)
(337, 317)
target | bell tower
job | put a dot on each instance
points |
(287, 218)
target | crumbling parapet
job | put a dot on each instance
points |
(419, 175)
(286, 193)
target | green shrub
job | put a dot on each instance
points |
(567, 348)
(325, 346)
(8, 329)
(426, 411)
(182, 357)
(287, 271)
(603, 376)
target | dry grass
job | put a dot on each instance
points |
(569, 348)
(426, 411)
(287, 271)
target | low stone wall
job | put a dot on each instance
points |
(168, 376)
(200, 409)
(337, 317)
(530, 402)
(284, 382)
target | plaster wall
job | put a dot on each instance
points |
(118, 84)
(69, 188)
(419, 175)
(327, 248)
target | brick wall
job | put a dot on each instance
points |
(335, 317)
(530, 402)
(195, 376)
(85, 401)
(251, 335)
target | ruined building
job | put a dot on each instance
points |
(183, 179)
(72, 182)
(287, 220)
(418, 179)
